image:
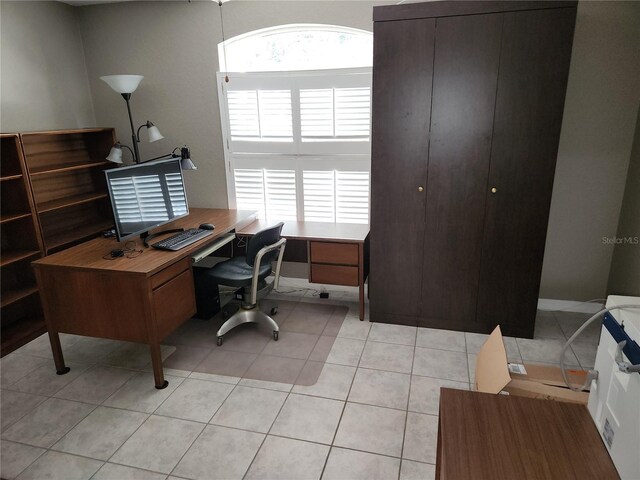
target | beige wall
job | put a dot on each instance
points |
(174, 45)
(624, 278)
(43, 81)
(595, 145)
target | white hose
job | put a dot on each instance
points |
(576, 334)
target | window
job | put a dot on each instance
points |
(297, 47)
(297, 142)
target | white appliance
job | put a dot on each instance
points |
(614, 401)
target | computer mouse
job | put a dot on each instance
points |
(207, 226)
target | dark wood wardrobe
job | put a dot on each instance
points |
(467, 108)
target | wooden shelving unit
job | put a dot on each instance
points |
(21, 243)
(66, 170)
(54, 195)
(59, 203)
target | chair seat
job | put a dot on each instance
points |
(236, 272)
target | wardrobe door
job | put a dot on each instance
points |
(402, 77)
(534, 64)
(467, 53)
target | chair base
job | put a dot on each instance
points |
(253, 315)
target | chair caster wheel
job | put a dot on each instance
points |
(275, 335)
(274, 310)
(219, 342)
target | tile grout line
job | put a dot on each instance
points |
(149, 415)
(266, 435)
(406, 416)
(50, 448)
(91, 366)
(344, 406)
(34, 460)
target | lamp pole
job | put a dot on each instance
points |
(134, 137)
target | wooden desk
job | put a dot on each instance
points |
(337, 252)
(484, 436)
(140, 299)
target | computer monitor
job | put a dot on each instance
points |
(146, 196)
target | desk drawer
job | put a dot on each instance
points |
(168, 273)
(334, 253)
(174, 303)
(334, 275)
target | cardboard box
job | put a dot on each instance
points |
(495, 375)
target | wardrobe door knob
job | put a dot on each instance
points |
(421, 189)
(494, 189)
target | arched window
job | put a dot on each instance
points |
(296, 120)
(297, 47)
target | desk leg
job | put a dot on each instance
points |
(56, 349)
(439, 453)
(361, 278)
(158, 372)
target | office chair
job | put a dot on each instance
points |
(249, 273)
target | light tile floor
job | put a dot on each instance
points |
(372, 414)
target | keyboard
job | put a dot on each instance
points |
(182, 239)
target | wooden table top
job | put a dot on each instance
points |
(484, 436)
(320, 231)
(89, 255)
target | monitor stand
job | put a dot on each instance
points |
(145, 236)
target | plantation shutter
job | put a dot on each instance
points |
(319, 196)
(267, 190)
(352, 197)
(335, 113)
(298, 143)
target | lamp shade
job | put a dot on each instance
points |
(186, 163)
(115, 154)
(154, 133)
(123, 83)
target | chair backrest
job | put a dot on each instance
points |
(265, 237)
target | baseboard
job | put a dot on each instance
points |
(569, 305)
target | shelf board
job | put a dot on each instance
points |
(69, 168)
(10, 177)
(17, 294)
(12, 256)
(76, 234)
(70, 201)
(9, 217)
(22, 331)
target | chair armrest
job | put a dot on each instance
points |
(279, 245)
